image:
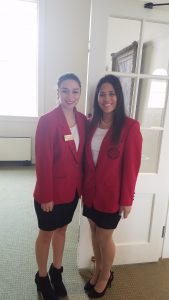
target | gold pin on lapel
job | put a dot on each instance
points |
(68, 137)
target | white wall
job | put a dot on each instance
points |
(66, 44)
(64, 29)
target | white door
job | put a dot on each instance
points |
(132, 42)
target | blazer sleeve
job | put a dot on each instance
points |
(44, 161)
(131, 164)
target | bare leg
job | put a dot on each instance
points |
(97, 253)
(42, 250)
(107, 249)
(58, 242)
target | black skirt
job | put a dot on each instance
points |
(102, 219)
(60, 216)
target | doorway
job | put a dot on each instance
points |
(134, 46)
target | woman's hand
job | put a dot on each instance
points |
(47, 207)
(124, 211)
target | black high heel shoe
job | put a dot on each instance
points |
(88, 286)
(94, 294)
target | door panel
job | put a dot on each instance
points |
(145, 87)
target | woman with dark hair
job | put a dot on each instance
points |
(59, 145)
(112, 162)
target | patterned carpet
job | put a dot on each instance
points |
(18, 230)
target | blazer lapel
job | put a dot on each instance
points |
(66, 132)
(104, 145)
(89, 148)
(82, 132)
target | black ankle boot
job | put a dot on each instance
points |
(44, 287)
(56, 280)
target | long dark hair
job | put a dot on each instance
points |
(118, 115)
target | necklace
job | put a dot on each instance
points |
(70, 117)
(104, 124)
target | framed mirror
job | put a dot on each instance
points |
(122, 43)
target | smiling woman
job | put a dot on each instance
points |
(18, 57)
(59, 145)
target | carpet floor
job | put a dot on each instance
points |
(18, 230)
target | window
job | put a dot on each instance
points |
(18, 58)
(158, 91)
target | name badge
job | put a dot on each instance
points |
(68, 137)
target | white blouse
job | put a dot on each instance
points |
(75, 134)
(96, 142)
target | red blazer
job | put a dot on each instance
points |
(111, 182)
(58, 164)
